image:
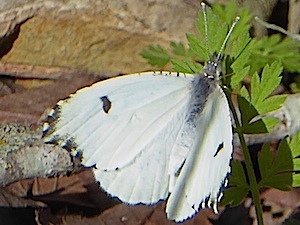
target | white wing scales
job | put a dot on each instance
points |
(141, 143)
(205, 168)
(130, 144)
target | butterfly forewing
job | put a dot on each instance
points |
(131, 143)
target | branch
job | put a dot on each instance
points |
(24, 155)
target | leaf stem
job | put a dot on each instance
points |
(249, 166)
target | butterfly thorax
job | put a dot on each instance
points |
(203, 85)
(213, 68)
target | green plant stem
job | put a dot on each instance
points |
(249, 166)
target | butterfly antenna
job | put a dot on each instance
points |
(227, 37)
(206, 28)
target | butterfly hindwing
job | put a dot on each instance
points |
(207, 163)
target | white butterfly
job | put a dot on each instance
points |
(152, 136)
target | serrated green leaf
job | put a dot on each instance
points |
(239, 51)
(180, 66)
(270, 123)
(237, 176)
(276, 168)
(239, 76)
(268, 49)
(197, 47)
(234, 196)
(244, 22)
(262, 88)
(296, 162)
(228, 14)
(238, 186)
(245, 93)
(156, 56)
(178, 48)
(269, 79)
(247, 113)
(294, 145)
(240, 58)
(186, 66)
(217, 30)
(273, 103)
(296, 180)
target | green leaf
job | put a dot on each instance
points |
(276, 168)
(156, 56)
(197, 47)
(268, 49)
(219, 19)
(244, 93)
(217, 31)
(261, 89)
(240, 56)
(178, 48)
(238, 77)
(296, 179)
(248, 111)
(294, 145)
(226, 12)
(238, 186)
(244, 24)
(239, 51)
(240, 36)
(186, 66)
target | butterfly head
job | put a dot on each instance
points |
(213, 68)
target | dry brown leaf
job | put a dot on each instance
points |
(124, 214)
(283, 198)
(277, 205)
(7, 200)
(78, 189)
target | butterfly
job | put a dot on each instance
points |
(152, 136)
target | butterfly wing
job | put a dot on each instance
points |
(135, 130)
(127, 127)
(207, 163)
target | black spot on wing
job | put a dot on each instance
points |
(179, 169)
(106, 104)
(220, 147)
